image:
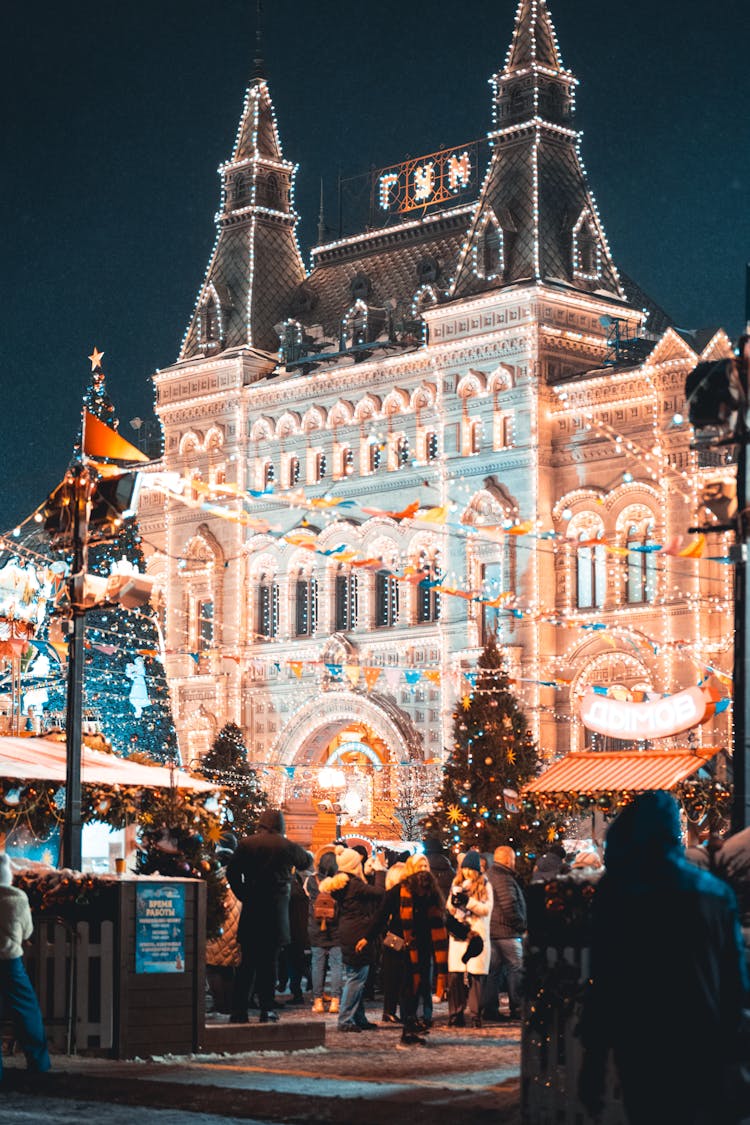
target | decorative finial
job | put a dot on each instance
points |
(321, 218)
(96, 359)
(259, 66)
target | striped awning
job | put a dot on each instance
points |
(594, 771)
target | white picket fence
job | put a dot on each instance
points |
(72, 970)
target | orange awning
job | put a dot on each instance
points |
(44, 759)
(594, 771)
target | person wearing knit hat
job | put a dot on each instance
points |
(507, 927)
(16, 989)
(357, 900)
(470, 901)
(349, 861)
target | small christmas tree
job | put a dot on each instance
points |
(226, 764)
(493, 750)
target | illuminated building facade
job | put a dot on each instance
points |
(463, 419)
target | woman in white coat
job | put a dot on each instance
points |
(470, 901)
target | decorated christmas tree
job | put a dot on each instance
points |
(493, 755)
(226, 763)
(125, 685)
(177, 835)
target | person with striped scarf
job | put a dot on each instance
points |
(414, 911)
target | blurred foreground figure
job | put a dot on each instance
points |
(667, 975)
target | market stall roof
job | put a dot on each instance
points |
(607, 771)
(44, 759)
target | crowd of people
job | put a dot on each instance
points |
(354, 928)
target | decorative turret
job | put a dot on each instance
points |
(536, 219)
(256, 262)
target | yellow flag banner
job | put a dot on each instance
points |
(351, 671)
(296, 666)
(100, 441)
(432, 674)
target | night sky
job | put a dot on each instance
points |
(116, 116)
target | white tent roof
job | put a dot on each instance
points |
(44, 759)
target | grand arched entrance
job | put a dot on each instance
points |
(354, 766)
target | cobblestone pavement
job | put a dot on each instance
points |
(360, 1079)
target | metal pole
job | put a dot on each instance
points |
(71, 837)
(741, 750)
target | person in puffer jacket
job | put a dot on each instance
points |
(357, 902)
(16, 989)
(507, 927)
(324, 941)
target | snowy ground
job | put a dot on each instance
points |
(471, 1077)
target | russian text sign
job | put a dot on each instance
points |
(160, 928)
(660, 718)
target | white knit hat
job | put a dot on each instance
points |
(6, 871)
(349, 861)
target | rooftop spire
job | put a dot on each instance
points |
(258, 73)
(534, 39)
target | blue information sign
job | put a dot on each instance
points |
(160, 928)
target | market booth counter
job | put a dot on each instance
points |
(118, 963)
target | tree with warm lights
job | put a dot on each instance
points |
(493, 750)
(244, 797)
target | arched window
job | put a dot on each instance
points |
(267, 615)
(641, 580)
(205, 617)
(354, 328)
(488, 256)
(345, 608)
(492, 585)
(431, 446)
(306, 605)
(402, 451)
(321, 466)
(347, 460)
(386, 599)
(375, 457)
(591, 573)
(428, 598)
(269, 474)
(293, 472)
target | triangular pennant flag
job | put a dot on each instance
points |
(412, 676)
(392, 678)
(351, 671)
(296, 666)
(432, 674)
(100, 441)
(371, 677)
(334, 670)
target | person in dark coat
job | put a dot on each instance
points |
(731, 863)
(357, 902)
(550, 865)
(667, 974)
(260, 874)
(507, 927)
(440, 866)
(324, 940)
(413, 910)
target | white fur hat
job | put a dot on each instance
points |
(349, 861)
(6, 871)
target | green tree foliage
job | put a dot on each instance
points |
(226, 763)
(125, 683)
(493, 750)
(177, 834)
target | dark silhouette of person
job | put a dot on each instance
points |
(260, 874)
(667, 975)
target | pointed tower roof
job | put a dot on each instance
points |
(534, 39)
(536, 219)
(256, 262)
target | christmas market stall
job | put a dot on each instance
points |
(599, 783)
(117, 960)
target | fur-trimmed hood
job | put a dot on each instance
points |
(335, 882)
